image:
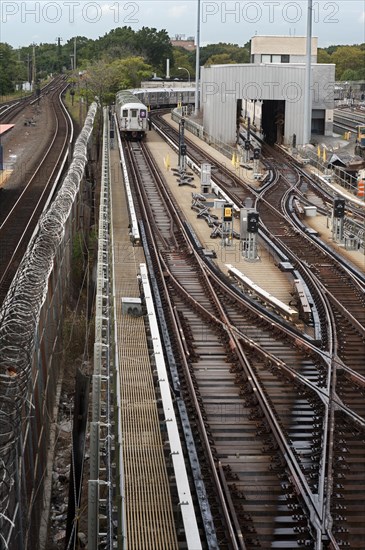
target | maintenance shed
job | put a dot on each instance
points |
(278, 91)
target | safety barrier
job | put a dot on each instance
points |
(101, 531)
(361, 188)
(30, 349)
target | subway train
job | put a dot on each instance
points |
(166, 97)
(132, 115)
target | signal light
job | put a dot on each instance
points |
(227, 213)
(339, 208)
(253, 222)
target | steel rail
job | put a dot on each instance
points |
(203, 312)
(237, 543)
(222, 320)
(14, 107)
(47, 190)
(310, 499)
(335, 399)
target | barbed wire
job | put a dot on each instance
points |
(20, 314)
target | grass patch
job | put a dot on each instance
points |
(76, 106)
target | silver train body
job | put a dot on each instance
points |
(166, 96)
(132, 115)
(132, 107)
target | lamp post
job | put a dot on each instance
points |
(183, 69)
(197, 62)
(307, 84)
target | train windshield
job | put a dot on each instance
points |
(125, 112)
(133, 113)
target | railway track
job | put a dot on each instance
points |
(269, 403)
(10, 110)
(344, 298)
(226, 179)
(19, 221)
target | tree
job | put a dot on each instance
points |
(323, 56)
(119, 42)
(348, 57)
(349, 74)
(220, 59)
(182, 58)
(86, 49)
(7, 69)
(154, 46)
(131, 72)
(100, 80)
(236, 53)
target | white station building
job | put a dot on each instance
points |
(270, 90)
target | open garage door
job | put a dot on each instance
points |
(318, 121)
(273, 120)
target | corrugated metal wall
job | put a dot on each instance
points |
(223, 85)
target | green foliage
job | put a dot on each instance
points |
(130, 72)
(119, 43)
(100, 80)
(154, 46)
(220, 59)
(182, 58)
(349, 74)
(233, 53)
(348, 57)
(6, 84)
(349, 60)
(323, 56)
(78, 262)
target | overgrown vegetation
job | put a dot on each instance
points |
(78, 327)
(78, 336)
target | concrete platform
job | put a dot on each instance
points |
(240, 171)
(322, 225)
(263, 272)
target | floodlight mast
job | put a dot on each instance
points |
(197, 63)
(307, 126)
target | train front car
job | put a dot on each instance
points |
(132, 116)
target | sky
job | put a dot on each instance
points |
(334, 22)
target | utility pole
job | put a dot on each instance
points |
(75, 54)
(34, 71)
(59, 62)
(28, 68)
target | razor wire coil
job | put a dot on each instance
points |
(20, 314)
